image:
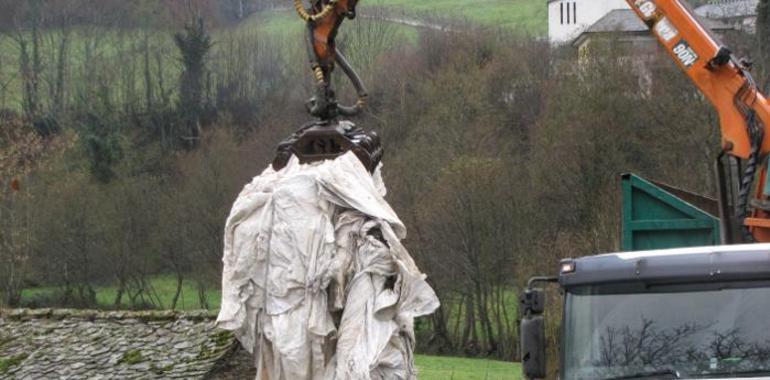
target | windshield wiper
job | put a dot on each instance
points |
(640, 375)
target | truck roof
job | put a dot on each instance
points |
(748, 262)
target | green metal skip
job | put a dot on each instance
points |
(657, 216)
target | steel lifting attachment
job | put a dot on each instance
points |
(329, 137)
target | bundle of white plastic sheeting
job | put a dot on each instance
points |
(301, 244)
(386, 292)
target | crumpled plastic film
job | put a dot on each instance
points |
(316, 283)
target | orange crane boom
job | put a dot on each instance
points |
(744, 113)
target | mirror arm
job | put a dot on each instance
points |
(546, 279)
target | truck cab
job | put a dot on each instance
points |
(685, 313)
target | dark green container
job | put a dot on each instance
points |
(657, 216)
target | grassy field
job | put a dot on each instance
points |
(162, 290)
(529, 16)
(274, 22)
(106, 48)
(449, 368)
(286, 23)
(526, 15)
(109, 49)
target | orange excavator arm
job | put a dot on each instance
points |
(744, 114)
(323, 20)
(329, 136)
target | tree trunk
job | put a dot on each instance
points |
(67, 296)
(470, 334)
(455, 333)
(179, 280)
(119, 296)
(148, 95)
(36, 69)
(440, 339)
(61, 70)
(202, 297)
(491, 342)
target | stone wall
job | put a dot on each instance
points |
(89, 344)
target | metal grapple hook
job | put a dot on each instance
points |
(328, 137)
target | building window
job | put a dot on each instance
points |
(574, 13)
(561, 12)
(567, 13)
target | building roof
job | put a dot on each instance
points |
(618, 20)
(87, 344)
(625, 20)
(726, 9)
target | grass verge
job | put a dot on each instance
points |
(162, 289)
(450, 368)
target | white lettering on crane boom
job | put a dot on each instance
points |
(646, 7)
(665, 30)
(685, 54)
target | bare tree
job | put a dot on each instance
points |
(194, 45)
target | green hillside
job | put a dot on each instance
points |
(287, 23)
(526, 15)
(529, 16)
(113, 47)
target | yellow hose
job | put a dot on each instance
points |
(307, 17)
(301, 10)
(319, 74)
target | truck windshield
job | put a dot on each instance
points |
(614, 331)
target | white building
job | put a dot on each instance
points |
(567, 19)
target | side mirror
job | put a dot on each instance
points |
(532, 332)
(532, 301)
(533, 346)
